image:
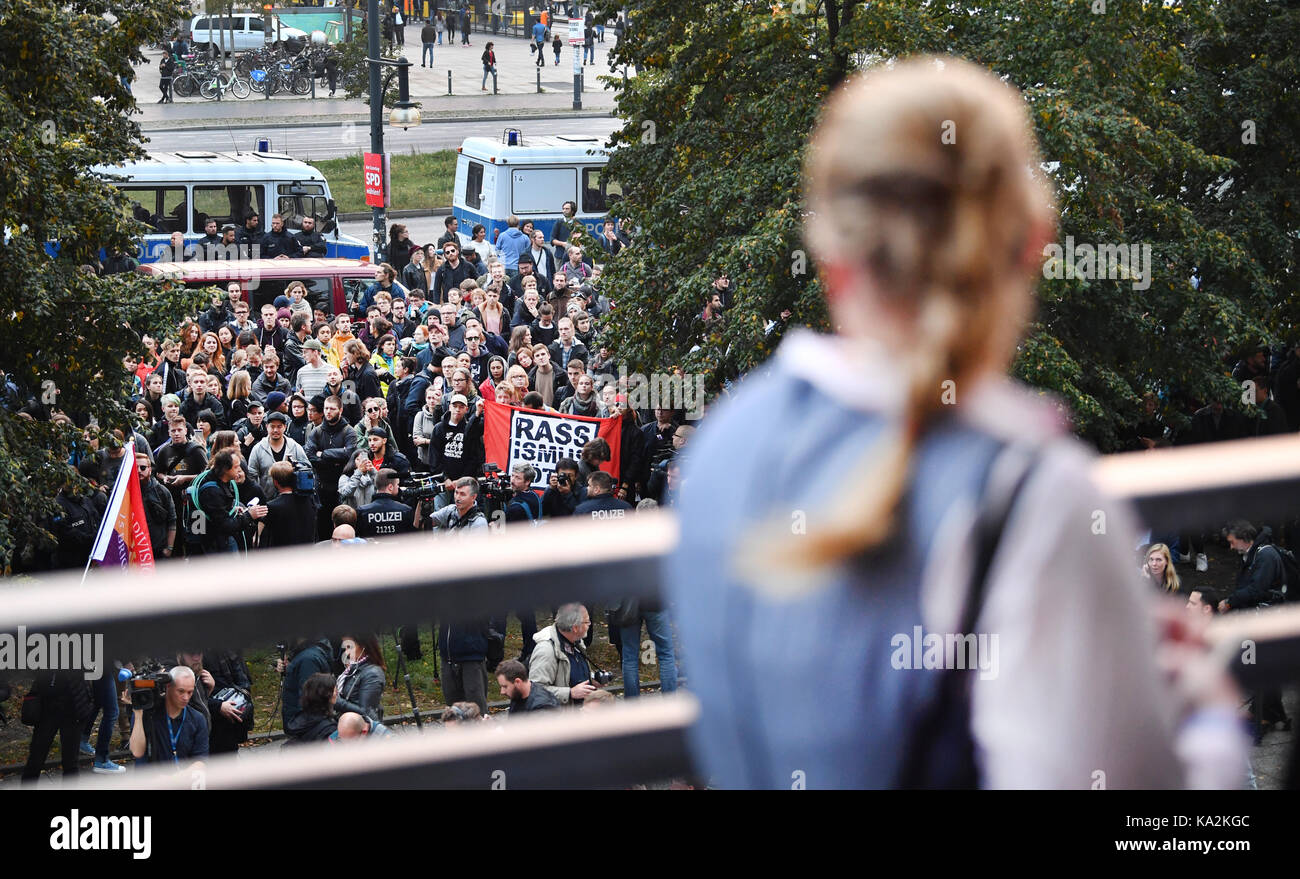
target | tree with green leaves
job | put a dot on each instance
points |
(1140, 110)
(64, 107)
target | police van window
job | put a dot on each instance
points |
(227, 204)
(541, 190)
(310, 200)
(474, 185)
(164, 206)
(599, 193)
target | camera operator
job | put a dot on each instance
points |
(386, 515)
(171, 731)
(565, 492)
(600, 502)
(305, 658)
(558, 662)
(463, 513)
(291, 515)
(524, 505)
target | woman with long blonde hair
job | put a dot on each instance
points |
(1159, 568)
(851, 552)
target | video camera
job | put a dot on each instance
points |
(493, 485)
(148, 689)
(419, 488)
(304, 479)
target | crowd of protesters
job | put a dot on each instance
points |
(295, 426)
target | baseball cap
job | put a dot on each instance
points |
(377, 431)
(313, 345)
(458, 398)
(281, 302)
(255, 404)
(277, 416)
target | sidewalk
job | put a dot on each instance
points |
(517, 76)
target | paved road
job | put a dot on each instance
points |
(344, 139)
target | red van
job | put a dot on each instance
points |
(333, 285)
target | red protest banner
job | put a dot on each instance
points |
(373, 167)
(512, 435)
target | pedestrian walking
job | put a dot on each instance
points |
(539, 43)
(464, 26)
(428, 36)
(399, 26)
(589, 45)
(166, 70)
(439, 25)
(556, 45)
(489, 66)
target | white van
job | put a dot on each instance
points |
(250, 32)
(179, 192)
(532, 178)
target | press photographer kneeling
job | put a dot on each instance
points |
(165, 729)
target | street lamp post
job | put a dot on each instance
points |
(404, 115)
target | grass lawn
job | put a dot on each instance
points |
(420, 180)
(428, 690)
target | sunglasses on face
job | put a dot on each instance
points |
(372, 410)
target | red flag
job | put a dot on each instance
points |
(512, 435)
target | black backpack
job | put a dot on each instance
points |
(1290, 573)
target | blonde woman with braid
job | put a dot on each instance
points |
(830, 531)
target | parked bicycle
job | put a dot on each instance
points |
(220, 83)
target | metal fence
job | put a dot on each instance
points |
(258, 599)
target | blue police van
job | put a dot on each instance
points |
(532, 178)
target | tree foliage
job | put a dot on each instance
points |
(65, 107)
(1141, 110)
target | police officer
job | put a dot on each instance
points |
(386, 515)
(600, 502)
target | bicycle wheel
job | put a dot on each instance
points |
(300, 84)
(185, 85)
(208, 89)
(239, 87)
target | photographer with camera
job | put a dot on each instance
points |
(222, 693)
(524, 505)
(168, 730)
(559, 661)
(463, 513)
(386, 515)
(565, 491)
(291, 514)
